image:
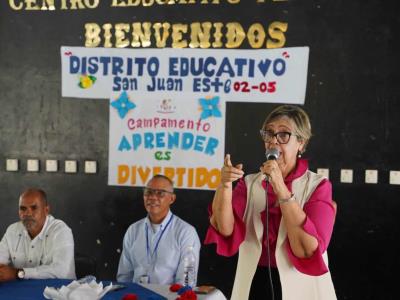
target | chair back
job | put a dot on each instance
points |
(85, 265)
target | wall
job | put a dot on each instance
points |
(351, 97)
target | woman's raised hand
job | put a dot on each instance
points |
(229, 173)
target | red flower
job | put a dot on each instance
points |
(175, 287)
(188, 295)
(129, 297)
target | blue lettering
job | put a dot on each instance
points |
(227, 86)
(206, 85)
(172, 66)
(160, 139)
(93, 67)
(196, 84)
(136, 140)
(251, 67)
(225, 67)
(173, 140)
(240, 62)
(129, 67)
(211, 145)
(279, 67)
(209, 61)
(74, 64)
(184, 71)
(148, 140)
(263, 66)
(105, 60)
(124, 144)
(198, 144)
(193, 70)
(187, 141)
(140, 61)
(83, 68)
(117, 84)
(153, 66)
(117, 63)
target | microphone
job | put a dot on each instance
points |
(272, 154)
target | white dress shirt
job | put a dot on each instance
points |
(157, 252)
(49, 255)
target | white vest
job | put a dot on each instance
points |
(295, 285)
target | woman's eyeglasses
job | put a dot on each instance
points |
(282, 137)
(159, 193)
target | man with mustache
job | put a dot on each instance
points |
(153, 247)
(39, 246)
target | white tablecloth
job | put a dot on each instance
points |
(163, 290)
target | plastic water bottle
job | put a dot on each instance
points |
(87, 279)
(189, 267)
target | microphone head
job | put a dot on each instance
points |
(272, 154)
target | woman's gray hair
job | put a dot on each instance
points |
(299, 118)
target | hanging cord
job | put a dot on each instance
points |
(267, 241)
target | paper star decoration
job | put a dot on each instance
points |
(123, 105)
(210, 108)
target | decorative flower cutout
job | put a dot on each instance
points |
(123, 105)
(187, 295)
(175, 287)
(210, 108)
(184, 292)
(86, 81)
(130, 297)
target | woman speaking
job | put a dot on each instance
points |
(280, 219)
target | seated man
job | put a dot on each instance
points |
(153, 246)
(39, 246)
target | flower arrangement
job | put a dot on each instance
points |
(184, 292)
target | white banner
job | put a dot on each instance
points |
(182, 138)
(272, 75)
(167, 106)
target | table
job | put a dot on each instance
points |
(33, 289)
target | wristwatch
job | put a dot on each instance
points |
(291, 199)
(20, 274)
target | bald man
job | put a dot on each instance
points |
(38, 246)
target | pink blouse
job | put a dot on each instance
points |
(318, 223)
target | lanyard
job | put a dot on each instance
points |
(148, 250)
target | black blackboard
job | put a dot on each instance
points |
(352, 99)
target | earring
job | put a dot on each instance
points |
(299, 154)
